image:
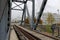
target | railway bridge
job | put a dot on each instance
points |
(20, 33)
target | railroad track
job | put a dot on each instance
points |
(25, 34)
(30, 35)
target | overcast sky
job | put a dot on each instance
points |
(51, 6)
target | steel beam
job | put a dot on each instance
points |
(16, 6)
(18, 9)
(33, 13)
(21, 1)
(33, 9)
(9, 18)
(40, 12)
(29, 17)
(23, 13)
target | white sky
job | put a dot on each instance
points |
(51, 6)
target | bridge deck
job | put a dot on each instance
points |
(37, 34)
(13, 35)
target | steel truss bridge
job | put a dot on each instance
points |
(25, 9)
(5, 15)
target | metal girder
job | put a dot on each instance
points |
(16, 6)
(40, 12)
(30, 0)
(1, 15)
(24, 10)
(29, 17)
(33, 13)
(20, 0)
(33, 10)
(17, 9)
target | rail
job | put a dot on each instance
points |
(32, 35)
(26, 34)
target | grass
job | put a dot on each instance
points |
(47, 28)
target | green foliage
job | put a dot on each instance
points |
(48, 28)
(50, 18)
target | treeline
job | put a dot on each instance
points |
(27, 21)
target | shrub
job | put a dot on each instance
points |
(48, 28)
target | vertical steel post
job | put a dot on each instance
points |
(9, 12)
(22, 17)
(40, 12)
(24, 12)
(59, 32)
(33, 9)
(9, 18)
(33, 13)
(29, 17)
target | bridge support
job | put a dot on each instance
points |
(4, 19)
(40, 12)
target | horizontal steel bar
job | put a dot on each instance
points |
(17, 9)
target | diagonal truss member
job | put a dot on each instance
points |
(31, 20)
